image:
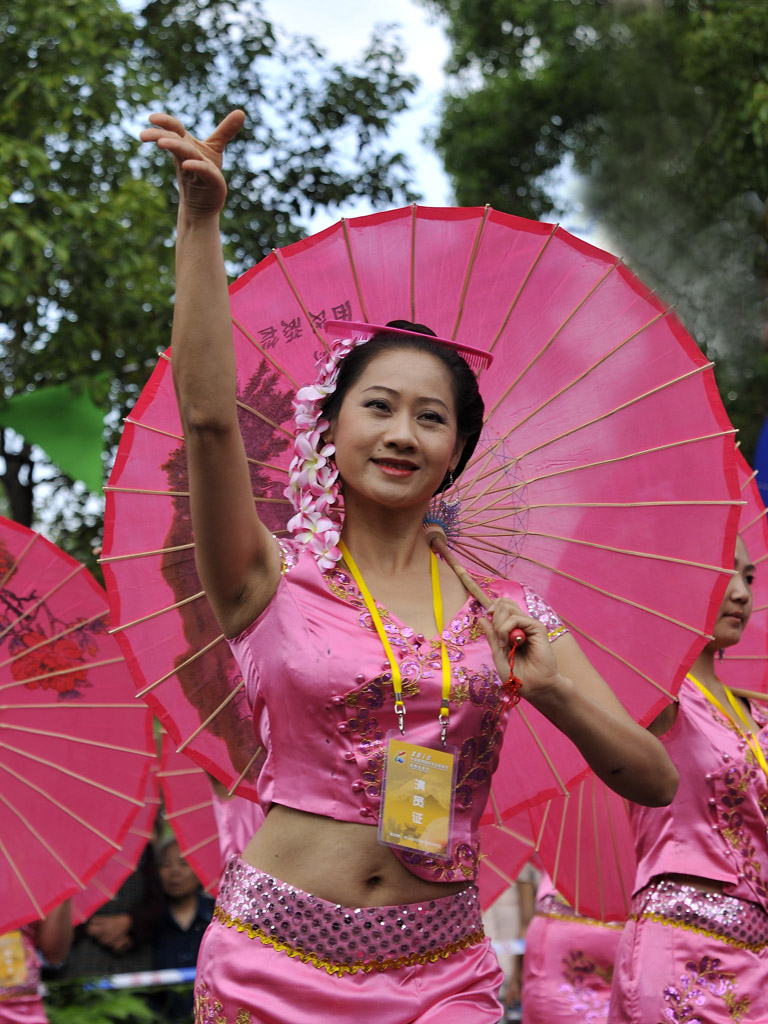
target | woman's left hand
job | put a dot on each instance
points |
(535, 662)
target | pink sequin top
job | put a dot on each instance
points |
(716, 826)
(319, 686)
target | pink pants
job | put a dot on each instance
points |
(276, 955)
(567, 970)
(700, 958)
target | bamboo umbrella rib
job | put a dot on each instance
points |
(178, 773)
(353, 268)
(22, 881)
(184, 664)
(522, 285)
(294, 289)
(265, 354)
(18, 560)
(265, 419)
(597, 419)
(46, 846)
(148, 554)
(164, 356)
(503, 875)
(542, 826)
(80, 624)
(542, 749)
(160, 611)
(470, 268)
(579, 822)
(750, 694)
(525, 840)
(495, 806)
(204, 725)
(550, 341)
(68, 810)
(757, 518)
(620, 408)
(471, 556)
(33, 607)
(745, 657)
(70, 670)
(146, 490)
(155, 430)
(617, 862)
(625, 551)
(77, 739)
(607, 462)
(200, 845)
(598, 854)
(559, 846)
(618, 597)
(617, 657)
(67, 706)
(98, 884)
(233, 788)
(26, 755)
(192, 809)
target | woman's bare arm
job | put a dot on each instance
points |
(237, 559)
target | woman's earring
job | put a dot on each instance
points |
(444, 511)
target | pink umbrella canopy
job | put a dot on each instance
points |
(605, 476)
(585, 841)
(75, 745)
(111, 875)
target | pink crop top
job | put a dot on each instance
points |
(716, 825)
(318, 684)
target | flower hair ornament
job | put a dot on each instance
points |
(313, 480)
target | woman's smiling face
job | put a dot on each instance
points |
(395, 434)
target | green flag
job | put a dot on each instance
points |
(67, 426)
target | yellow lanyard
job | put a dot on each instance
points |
(397, 679)
(749, 736)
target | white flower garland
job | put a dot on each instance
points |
(313, 487)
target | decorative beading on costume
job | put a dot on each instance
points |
(539, 609)
(345, 940)
(721, 917)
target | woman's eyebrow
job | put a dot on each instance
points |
(394, 393)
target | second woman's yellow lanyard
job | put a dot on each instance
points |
(747, 735)
(397, 680)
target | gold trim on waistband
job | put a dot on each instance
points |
(752, 947)
(330, 966)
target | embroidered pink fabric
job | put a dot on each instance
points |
(716, 825)
(22, 1003)
(319, 687)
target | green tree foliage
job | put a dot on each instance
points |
(662, 105)
(86, 265)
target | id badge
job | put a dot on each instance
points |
(417, 801)
(13, 962)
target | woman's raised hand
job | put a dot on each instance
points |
(202, 187)
(535, 662)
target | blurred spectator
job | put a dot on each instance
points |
(187, 913)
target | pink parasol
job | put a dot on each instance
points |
(111, 875)
(75, 746)
(604, 478)
(585, 841)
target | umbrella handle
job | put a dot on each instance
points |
(437, 541)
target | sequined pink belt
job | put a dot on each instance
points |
(737, 922)
(343, 940)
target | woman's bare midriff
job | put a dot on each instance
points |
(339, 861)
(702, 884)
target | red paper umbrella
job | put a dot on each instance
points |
(75, 745)
(585, 841)
(110, 876)
(604, 478)
(745, 666)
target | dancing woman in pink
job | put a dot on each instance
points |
(695, 948)
(347, 666)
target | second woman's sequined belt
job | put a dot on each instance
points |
(736, 922)
(343, 940)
